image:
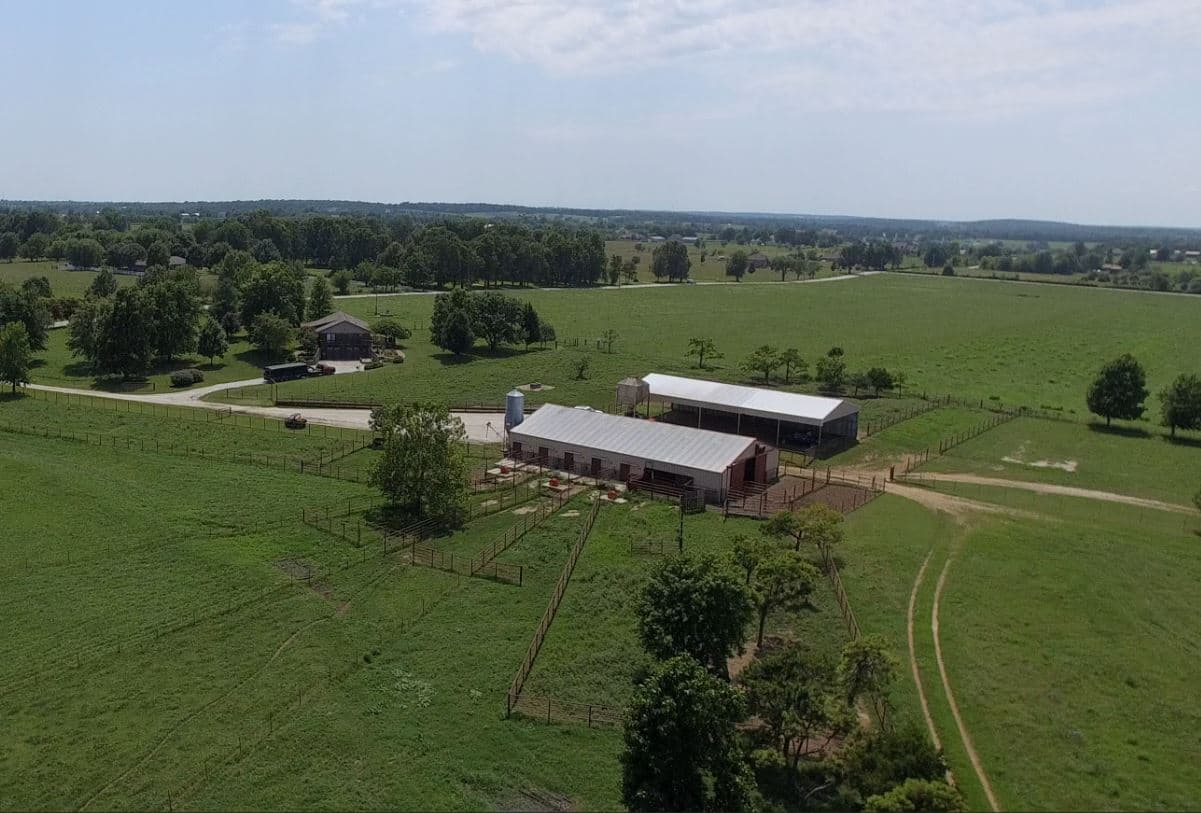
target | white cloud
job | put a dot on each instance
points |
(927, 55)
(319, 19)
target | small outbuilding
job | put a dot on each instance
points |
(642, 452)
(783, 418)
(341, 336)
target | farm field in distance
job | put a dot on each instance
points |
(1013, 345)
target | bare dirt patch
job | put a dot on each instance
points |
(1062, 491)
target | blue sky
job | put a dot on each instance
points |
(1083, 111)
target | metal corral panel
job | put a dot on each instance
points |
(763, 403)
(682, 446)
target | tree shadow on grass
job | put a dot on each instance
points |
(449, 359)
(1181, 440)
(1119, 431)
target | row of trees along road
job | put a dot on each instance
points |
(694, 740)
(1120, 391)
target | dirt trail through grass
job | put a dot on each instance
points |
(964, 735)
(1062, 491)
(917, 675)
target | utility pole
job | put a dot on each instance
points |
(680, 532)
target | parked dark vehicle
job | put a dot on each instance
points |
(296, 421)
(285, 372)
(324, 369)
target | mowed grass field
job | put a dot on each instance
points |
(1127, 460)
(62, 283)
(1069, 638)
(160, 656)
(1007, 344)
(56, 366)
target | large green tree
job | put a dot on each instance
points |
(737, 264)
(275, 287)
(424, 466)
(125, 343)
(867, 668)
(321, 299)
(174, 313)
(765, 359)
(16, 356)
(695, 606)
(794, 693)
(703, 347)
(496, 318)
(87, 326)
(211, 341)
(670, 260)
(681, 743)
(1119, 390)
(451, 324)
(782, 581)
(817, 524)
(26, 307)
(270, 333)
(1180, 403)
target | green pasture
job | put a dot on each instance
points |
(1133, 459)
(1009, 345)
(108, 421)
(910, 436)
(210, 678)
(63, 283)
(1069, 637)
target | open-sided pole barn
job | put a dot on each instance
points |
(788, 416)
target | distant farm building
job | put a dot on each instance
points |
(643, 453)
(757, 260)
(341, 336)
(782, 418)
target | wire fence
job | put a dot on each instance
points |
(488, 555)
(319, 467)
(199, 413)
(949, 442)
(552, 609)
(549, 710)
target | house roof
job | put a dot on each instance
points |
(763, 403)
(335, 318)
(681, 446)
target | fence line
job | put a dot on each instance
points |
(318, 468)
(552, 609)
(510, 537)
(549, 709)
(912, 461)
(188, 414)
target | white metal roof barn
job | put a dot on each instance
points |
(787, 413)
(585, 440)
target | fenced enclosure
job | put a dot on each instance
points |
(548, 617)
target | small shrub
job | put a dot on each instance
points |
(374, 364)
(948, 270)
(181, 378)
(197, 376)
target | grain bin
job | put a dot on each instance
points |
(514, 408)
(631, 392)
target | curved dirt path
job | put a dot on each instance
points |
(966, 737)
(1062, 491)
(917, 675)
